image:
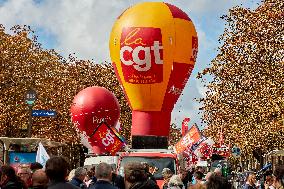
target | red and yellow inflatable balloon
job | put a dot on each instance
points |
(153, 46)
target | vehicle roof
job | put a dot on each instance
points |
(149, 153)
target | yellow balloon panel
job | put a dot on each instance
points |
(184, 32)
(144, 43)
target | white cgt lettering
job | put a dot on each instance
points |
(109, 139)
(142, 64)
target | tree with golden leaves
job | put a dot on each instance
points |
(245, 98)
(25, 65)
(175, 134)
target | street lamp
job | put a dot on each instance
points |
(30, 99)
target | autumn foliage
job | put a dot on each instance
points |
(24, 64)
(245, 99)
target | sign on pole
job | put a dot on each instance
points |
(43, 113)
(30, 97)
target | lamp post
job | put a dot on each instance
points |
(30, 99)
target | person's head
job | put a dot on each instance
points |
(56, 168)
(182, 173)
(167, 173)
(201, 169)
(134, 172)
(152, 168)
(146, 166)
(278, 175)
(175, 180)
(251, 179)
(93, 170)
(7, 173)
(269, 180)
(25, 173)
(218, 172)
(80, 173)
(89, 176)
(217, 182)
(103, 171)
(35, 166)
(198, 176)
(39, 178)
(209, 174)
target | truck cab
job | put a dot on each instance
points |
(159, 158)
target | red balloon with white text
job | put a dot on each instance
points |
(90, 107)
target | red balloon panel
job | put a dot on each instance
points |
(93, 105)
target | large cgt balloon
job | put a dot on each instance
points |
(90, 107)
(153, 47)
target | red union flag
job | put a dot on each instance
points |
(141, 55)
(184, 126)
(107, 139)
(190, 138)
(204, 149)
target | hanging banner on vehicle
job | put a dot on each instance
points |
(190, 138)
(108, 139)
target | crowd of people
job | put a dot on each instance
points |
(216, 180)
(57, 175)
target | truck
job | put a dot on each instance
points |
(160, 158)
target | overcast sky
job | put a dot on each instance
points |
(83, 27)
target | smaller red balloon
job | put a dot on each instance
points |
(93, 105)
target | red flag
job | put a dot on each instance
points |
(184, 126)
(204, 149)
(187, 152)
(194, 158)
(190, 138)
(107, 139)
